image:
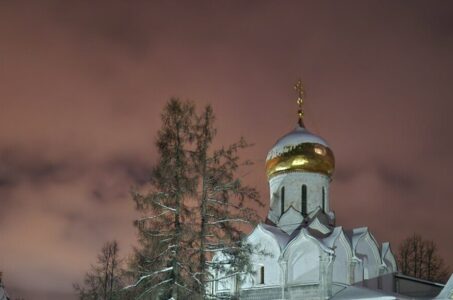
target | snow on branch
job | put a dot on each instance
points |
(152, 217)
(228, 220)
(149, 276)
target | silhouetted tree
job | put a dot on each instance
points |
(419, 258)
(103, 281)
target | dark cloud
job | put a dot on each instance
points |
(123, 26)
(139, 170)
(345, 174)
(18, 165)
(439, 21)
(398, 178)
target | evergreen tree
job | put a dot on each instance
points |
(222, 211)
(142, 262)
(165, 208)
(192, 208)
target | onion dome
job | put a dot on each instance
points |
(300, 150)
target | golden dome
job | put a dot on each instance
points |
(300, 150)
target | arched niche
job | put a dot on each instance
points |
(388, 258)
(343, 258)
(267, 249)
(365, 246)
(302, 255)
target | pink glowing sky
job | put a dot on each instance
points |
(82, 85)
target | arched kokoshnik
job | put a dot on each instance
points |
(366, 251)
(388, 259)
(343, 256)
(303, 255)
(271, 241)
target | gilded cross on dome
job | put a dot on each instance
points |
(300, 100)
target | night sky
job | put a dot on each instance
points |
(82, 85)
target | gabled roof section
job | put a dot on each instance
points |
(280, 237)
(316, 225)
(356, 235)
(337, 233)
(355, 292)
(303, 233)
(447, 291)
(319, 214)
(290, 220)
(388, 257)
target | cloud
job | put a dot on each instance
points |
(61, 223)
(18, 165)
(138, 170)
(397, 178)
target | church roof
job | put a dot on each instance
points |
(357, 292)
(283, 239)
(330, 240)
(356, 234)
(447, 291)
(298, 135)
(300, 150)
(327, 238)
(279, 235)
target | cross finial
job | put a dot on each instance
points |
(300, 100)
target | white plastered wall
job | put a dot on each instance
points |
(264, 241)
(302, 255)
(292, 182)
(367, 247)
(343, 257)
(389, 259)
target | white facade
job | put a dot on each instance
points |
(288, 190)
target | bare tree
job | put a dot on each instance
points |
(103, 281)
(419, 258)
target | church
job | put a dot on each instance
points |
(308, 255)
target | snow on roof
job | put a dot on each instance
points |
(318, 226)
(283, 239)
(447, 291)
(329, 241)
(304, 232)
(279, 235)
(355, 234)
(298, 136)
(326, 240)
(385, 248)
(356, 292)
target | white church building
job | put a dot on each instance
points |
(308, 255)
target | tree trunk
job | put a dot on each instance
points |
(203, 201)
(177, 220)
